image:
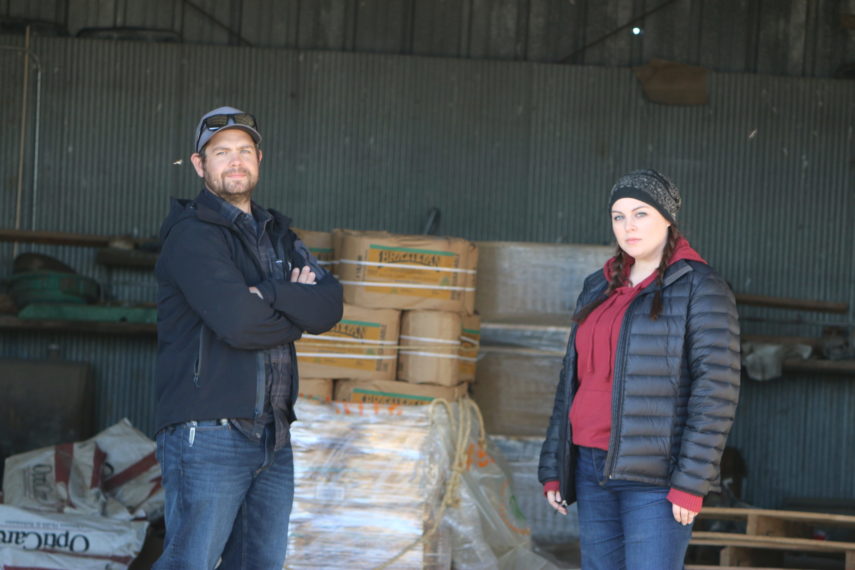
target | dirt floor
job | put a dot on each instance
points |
(562, 555)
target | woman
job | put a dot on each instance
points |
(648, 391)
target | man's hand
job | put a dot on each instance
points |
(683, 516)
(255, 291)
(554, 498)
(305, 276)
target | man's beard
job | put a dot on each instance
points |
(232, 190)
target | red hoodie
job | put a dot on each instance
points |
(596, 345)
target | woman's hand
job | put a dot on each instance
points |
(554, 498)
(683, 516)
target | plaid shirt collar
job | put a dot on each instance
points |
(232, 214)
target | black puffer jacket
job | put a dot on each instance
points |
(676, 384)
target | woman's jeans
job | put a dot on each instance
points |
(623, 524)
(225, 496)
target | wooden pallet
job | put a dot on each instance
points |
(768, 534)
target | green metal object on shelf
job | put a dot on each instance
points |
(52, 287)
(99, 313)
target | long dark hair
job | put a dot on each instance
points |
(617, 277)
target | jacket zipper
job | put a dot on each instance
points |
(261, 359)
(197, 367)
(617, 394)
(260, 381)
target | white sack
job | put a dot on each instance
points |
(108, 543)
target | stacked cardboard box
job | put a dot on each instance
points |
(394, 393)
(362, 345)
(408, 334)
(525, 324)
(383, 270)
(318, 389)
(470, 341)
(320, 244)
(430, 348)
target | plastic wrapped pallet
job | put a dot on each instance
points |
(368, 483)
(515, 389)
(522, 455)
(383, 270)
(470, 340)
(42, 540)
(488, 530)
(365, 472)
(430, 348)
(362, 345)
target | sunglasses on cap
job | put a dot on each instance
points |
(217, 122)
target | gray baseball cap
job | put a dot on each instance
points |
(221, 118)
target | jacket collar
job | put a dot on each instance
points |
(674, 272)
(206, 210)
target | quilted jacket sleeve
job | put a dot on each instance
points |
(712, 345)
(548, 470)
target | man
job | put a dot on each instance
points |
(236, 288)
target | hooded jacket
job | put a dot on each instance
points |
(210, 327)
(675, 386)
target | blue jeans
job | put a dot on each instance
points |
(624, 524)
(225, 496)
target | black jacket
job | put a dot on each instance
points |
(210, 328)
(676, 384)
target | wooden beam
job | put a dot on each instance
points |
(116, 257)
(58, 238)
(845, 367)
(763, 525)
(94, 327)
(773, 339)
(771, 542)
(735, 513)
(739, 557)
(788, 303)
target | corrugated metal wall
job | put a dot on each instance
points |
(780, 37)
(506, 151)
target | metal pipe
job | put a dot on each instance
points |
(37, 66)
(36, 141)
(23, 138)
